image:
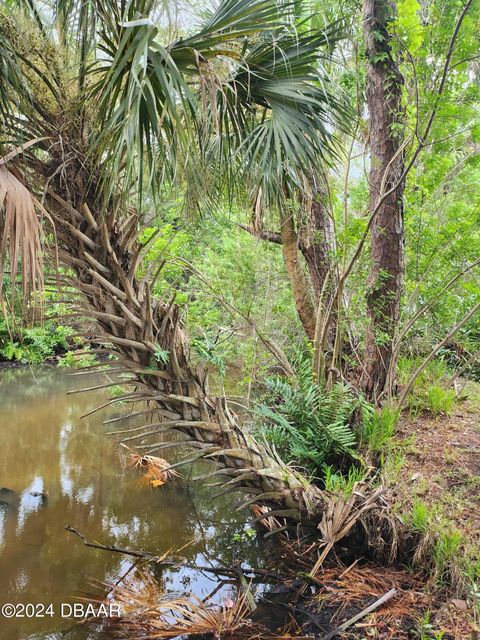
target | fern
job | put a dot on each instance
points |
(33, 344)
(305, 422)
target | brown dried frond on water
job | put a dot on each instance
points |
(147, 612)
(157, 471)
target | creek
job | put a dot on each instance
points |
(58, 469)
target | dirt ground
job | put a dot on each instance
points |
(442, 464)
(441, 467)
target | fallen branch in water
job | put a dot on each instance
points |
(261, 574)
(128, 552)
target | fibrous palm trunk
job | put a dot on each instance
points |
(317, 241)
(384, 99)
(301, 291)
(104, 255)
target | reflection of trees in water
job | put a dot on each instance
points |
(223, 528)
(44, 438)
(34, 382)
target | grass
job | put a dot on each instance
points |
(447, 553)
(436, 496)
(377, 427)
(336, 482)
(430, 392)
(426, 629)
(441, 549)
(421, 517)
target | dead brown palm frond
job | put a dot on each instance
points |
(157, 471)
(21, 233)
(342, 514)
(269, 522)
(147, 612)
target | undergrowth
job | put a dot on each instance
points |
(33, 344)
(333, 433)
(74, 360)
(442, 550)
(306, 423)
(339, 483)
(338, 437)
(430, 392)
(377, 426)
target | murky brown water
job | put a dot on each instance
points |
(47, 448)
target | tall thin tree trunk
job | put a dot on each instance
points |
(301, 291)
(384, 100)
(317, 240)
(313, 238)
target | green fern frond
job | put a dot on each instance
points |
(307, 423)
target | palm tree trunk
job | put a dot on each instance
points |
(317, 240)
(384, 100)
(296, 274)
(104, 257)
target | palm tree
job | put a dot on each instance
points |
(102, 107)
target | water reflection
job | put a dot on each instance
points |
(58, 469)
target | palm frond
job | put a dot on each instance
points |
(10, 75)
(21, 233)
(233, 19)
(147, 611)
(157, 471)
(247, 87)
(279, 109)
(143, 100)
(6, 77)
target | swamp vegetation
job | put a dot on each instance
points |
(251, 231)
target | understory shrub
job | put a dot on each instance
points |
(430, 392)
(306, 423)
(75, 360)
(33, 344)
